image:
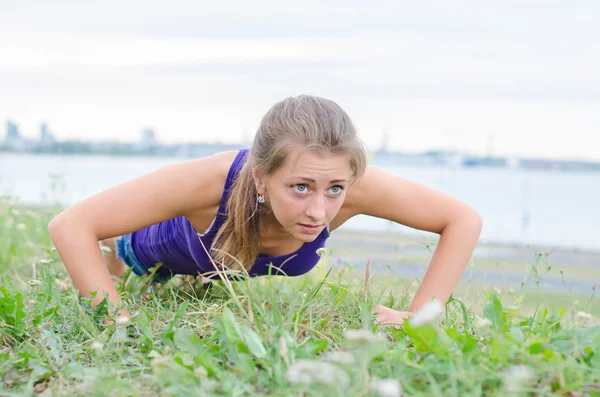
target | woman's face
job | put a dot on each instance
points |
(307, 192)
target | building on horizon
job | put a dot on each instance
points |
(148, 140)
(46, 137)
(13, 139)
(12, 131)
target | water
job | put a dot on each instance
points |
(517, 206)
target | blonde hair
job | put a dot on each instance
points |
(302, 122)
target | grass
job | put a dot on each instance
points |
(307, 336)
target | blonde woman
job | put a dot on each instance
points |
(269, 207)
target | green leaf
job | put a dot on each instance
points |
(168, 332)
(189, 342)
(493, 312)
(466, 342)
(426, 339)
(253, 342)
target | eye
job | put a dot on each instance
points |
(337, 189)
(301, 187)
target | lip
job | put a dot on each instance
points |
(309, 228)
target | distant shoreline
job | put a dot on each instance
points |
(348, 236)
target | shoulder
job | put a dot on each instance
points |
(205, 179)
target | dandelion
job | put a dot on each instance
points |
(387, 387)
(427, 314)
(97, 346)
(46, 261)
(483, 322)
(33, 283)
(311, 371)
(321, 251)
(362, 336)
(21, 226)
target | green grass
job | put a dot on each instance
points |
(277, 336)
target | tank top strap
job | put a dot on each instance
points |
(234, 170)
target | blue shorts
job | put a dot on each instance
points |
(126, 254)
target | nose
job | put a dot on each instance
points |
(316, 208)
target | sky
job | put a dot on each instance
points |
(509, 78)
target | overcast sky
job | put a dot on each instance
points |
(513, 77)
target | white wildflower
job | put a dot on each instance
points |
(15, 212)
(339, 357)
(283, 348)
(34, 283)
(97, 346)
(427, 314)
(575, 302)
(200, 371)
(21, 226)
(362, 335)
(321, 251)
(46, 261)
(32, 214)
(311, 371)
(387, 387)
(122, 320)
(63, 285)
(584, 317)
(497, 290)
(159, 361)
(517, 377)
(483, 322)
(105, 249)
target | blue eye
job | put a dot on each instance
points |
(300, 187)
(336, 189)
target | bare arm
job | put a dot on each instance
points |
(161, 195)
(387, 196)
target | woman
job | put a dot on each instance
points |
(267, 208)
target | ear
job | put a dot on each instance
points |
(259, 180)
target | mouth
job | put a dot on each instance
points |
(307, 228)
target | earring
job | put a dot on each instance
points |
(260, 199)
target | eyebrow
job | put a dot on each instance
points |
(332, 181)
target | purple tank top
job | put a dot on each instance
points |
(176, 243)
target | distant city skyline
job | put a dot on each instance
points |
(512, 78)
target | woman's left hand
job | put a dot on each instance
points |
(385, 315)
